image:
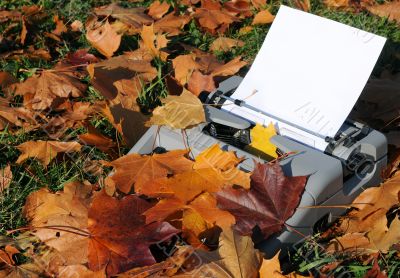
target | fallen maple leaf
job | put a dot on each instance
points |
(137, 169)
(16, 116)
(239, 7)
(391, 10)
(215, 157)
(184, 66)
(235, 257)
(229, 68)
(199, 83)
(171, 24)
(120, 239)
(212, 17)
(271, 200)
(102, 36)
(263, 17)
(107, 76)
(5, 178)
(95, 138)
(225, 44)
(60, 26)
(153, 43)
(158, 9)
(65, 214)
(179, 112)
(260, 143)
(272, 269)
(337, 3)
(45, 151)
(40, 91)
(80, 271)
(134, 18)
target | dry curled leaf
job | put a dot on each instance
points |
(391, 10)
(134, 18)
(102, 37)
(225, 44)
(158, 9)
(5, 178)
(45, 151)
(263, 17)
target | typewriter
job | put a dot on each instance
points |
(352, 161)
(303, 58)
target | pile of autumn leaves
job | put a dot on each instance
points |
(179, 210)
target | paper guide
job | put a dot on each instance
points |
(309, 71)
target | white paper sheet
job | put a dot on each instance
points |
(309, 71)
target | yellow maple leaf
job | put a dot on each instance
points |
(260, 144)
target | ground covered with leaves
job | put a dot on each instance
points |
(81, 81)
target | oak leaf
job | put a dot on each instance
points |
(42, 90)
(137, 169)
(102, 37)
(5, 178)
(120, 239)
(67, 213)
(179, 112)
(263, 17)
(271, 200)
(157, 9)
(45, 151)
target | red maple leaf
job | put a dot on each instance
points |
(271, 200)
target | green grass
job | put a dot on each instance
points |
(31, 176)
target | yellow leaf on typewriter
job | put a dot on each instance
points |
(260, 144)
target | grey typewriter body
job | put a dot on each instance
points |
(352, 162)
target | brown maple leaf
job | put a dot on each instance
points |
(158, 9)
(137, 169)
(212, 17)
(271, 200)
(105, 74)
(235, 257)
(171, 24)
(120, 239)
(45, 151)
(66, 216)
(95, 138)
(40, 91)
(134, 18)
(102, 36)
(153, 43)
